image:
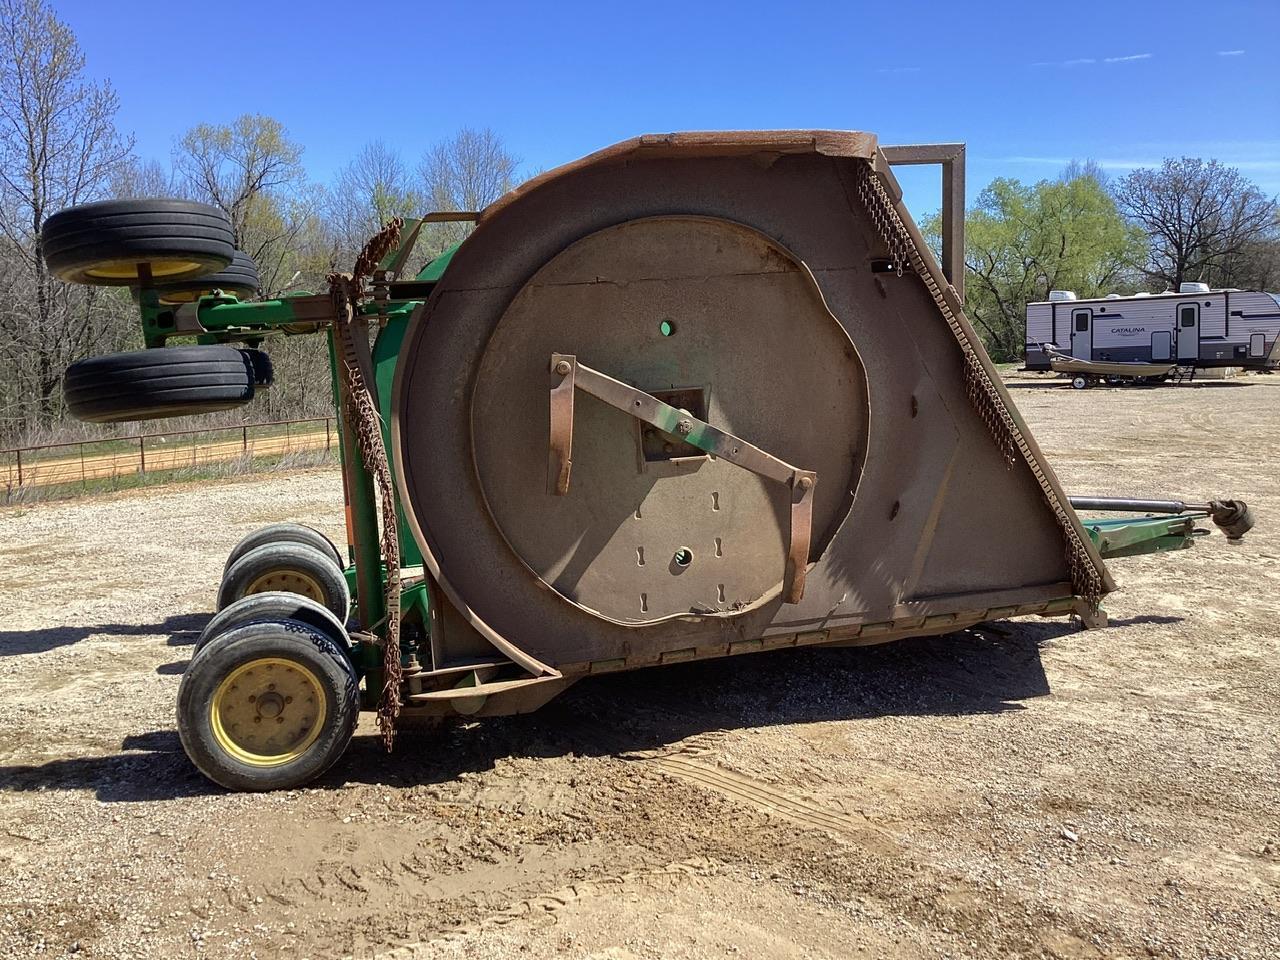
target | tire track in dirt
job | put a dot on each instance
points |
(771, 800)
(546, 905)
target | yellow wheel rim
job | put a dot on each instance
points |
(267, 712)
(128, 269)
(288, 581)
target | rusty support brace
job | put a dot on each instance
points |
(567, 375)
(560, 461)
(951, 158)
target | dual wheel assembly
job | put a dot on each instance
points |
(271, 697)
(174, 251)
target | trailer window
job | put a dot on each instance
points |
(1082, 323)
(1188, 317)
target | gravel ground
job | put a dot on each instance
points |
(1023, 789)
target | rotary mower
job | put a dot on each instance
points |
(693, 396)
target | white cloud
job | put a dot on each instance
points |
(1231, 53)
(1080, 61)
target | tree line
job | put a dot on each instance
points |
(1152, 229)
(60, 146)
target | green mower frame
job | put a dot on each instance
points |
(223, 318)
(1021, 552)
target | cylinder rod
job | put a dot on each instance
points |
(1134, 505)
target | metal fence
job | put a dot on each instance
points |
(85, 461)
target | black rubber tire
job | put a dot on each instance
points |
(284, 533)
(286, 640)
(240, 277)
(105, 243)
(263, 373)
(292, 560)
(165, 382)
(273, 605)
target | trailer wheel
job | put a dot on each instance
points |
(240, 277)
(284, 533)
(268, 706)
(1079, 383)
(117, 242)
(164, 382)
(289, 567)
(273, 605)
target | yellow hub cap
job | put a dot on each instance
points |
(267, 712)
(128, 269)
(289, 581)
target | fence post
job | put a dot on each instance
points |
(326, 447)
(83, 481)
(142, 455)
(19, 452)
(244, 439)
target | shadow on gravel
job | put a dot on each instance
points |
(1145, 618)
(182, 629)
(986, 670)
(153, 767)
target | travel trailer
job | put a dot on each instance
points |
(1193, 328)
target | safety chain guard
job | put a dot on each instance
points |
(982, 392)
(347, 292)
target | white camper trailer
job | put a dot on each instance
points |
(1193, 328)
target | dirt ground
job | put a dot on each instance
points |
(1023, 790)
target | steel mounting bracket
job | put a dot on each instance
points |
(568, 375)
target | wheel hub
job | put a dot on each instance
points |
(267, 712)
(288, 581)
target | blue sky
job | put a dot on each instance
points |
(1028, 86)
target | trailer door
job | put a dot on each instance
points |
(1188, 332)
(1082, 334)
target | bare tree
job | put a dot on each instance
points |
(366, 193)
(467, 172)
(58, 147)
(1201, 218)
(143, 179)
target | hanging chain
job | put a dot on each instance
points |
(982, 392)
(347, 292)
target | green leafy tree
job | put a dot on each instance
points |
(1023, 241)
(252, 170)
